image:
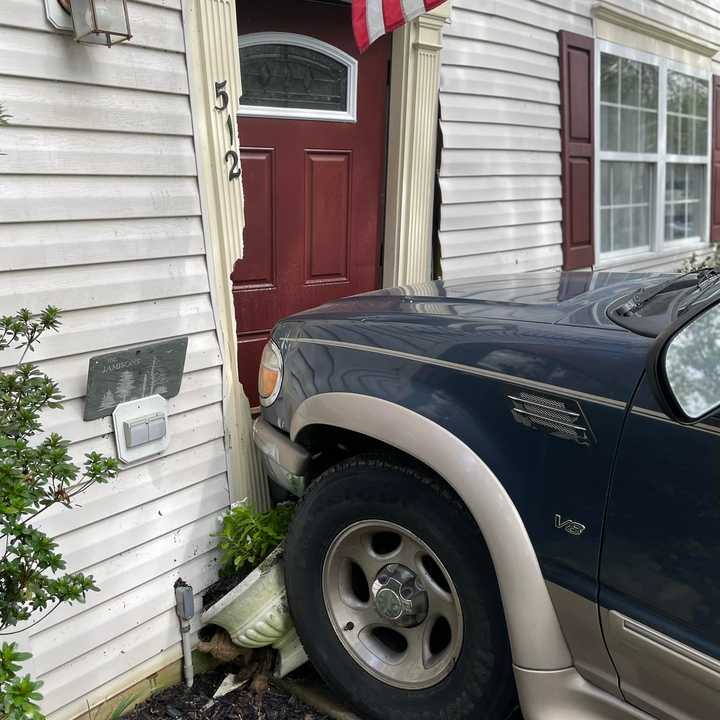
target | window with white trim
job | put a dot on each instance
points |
(653, 139)
(285, 75)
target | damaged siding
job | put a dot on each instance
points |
(500, 123)
(100, 215)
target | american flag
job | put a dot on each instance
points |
(373, 18)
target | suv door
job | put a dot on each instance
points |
(660, 564)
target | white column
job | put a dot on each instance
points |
(213, 57)
(415, 81)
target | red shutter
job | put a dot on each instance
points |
(577, 119)
(715, 196)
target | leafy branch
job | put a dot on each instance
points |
(248, 537)
(35, 474)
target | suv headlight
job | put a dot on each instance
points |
(270, 376)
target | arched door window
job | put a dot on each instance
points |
(285, 75)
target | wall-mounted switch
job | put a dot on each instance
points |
(144, 430)
(141, 428)
(156, 428)
(136, 433)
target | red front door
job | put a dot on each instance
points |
(313, 175)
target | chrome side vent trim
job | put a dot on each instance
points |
(560, 417)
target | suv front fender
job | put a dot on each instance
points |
(535, 635)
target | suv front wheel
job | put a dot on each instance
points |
(394, 596)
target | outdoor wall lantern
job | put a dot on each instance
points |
(99, 22)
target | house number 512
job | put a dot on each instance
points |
(222, 102)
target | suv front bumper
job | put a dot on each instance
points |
(286, 462)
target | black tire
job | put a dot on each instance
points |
(480, 685)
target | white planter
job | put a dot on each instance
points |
(255, 614)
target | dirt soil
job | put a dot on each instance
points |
(182, 703)
(222, 587)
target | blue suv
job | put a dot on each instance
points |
(510, 491)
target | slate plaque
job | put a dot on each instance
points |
(115, 378)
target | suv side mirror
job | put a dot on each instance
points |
(685, 366)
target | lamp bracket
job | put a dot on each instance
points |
(58, 14)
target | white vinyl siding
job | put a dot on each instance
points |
(500, 118)
(100, 215)
(500, 122)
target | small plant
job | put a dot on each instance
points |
(35, 474)
(119, 710)
(695, 264)
(248, 537)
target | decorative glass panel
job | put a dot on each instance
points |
(626, 205)
(684, 195)
(281, 75)
(687, 111)
(628, 105)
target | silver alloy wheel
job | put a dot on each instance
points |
(392, 604)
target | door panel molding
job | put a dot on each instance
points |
(659, 674)
(258, 268)
(328, 215)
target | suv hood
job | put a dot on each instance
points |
(568, 298)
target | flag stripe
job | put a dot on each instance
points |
(413, 8)
(374, 19)
(393, 14)
(359, 18)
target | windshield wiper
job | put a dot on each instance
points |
(641, 298)
(707, 277)
(644, 296)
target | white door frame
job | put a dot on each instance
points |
(412, 148)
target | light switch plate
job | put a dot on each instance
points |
(157, 428)
(139, 409)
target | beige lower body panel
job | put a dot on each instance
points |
(661, 675)
(566, 695)
(580, 623)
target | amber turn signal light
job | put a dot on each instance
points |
(270, 375)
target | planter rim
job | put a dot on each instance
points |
(266, 567)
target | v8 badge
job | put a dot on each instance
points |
(569, 526)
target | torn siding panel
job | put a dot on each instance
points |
(58, 245)
(71, 372)
(501, 263)
(38, 102)
(171, 551)
(100, 215)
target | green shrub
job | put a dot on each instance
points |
(248, 537)
(694, 263)
(36, 472)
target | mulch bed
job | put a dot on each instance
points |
(182, 703)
